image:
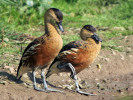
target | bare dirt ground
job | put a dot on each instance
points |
(115, 78)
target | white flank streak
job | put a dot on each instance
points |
(74, 49)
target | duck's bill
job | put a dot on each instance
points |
(96, 38)
(60, 26)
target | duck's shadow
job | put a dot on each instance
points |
(38, 80)
(12, 78)
(8, 76)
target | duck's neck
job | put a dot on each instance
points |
(50, 28)
(90, 40)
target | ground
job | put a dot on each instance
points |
(113, 80)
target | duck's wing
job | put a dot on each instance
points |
(70, 48)
(29, 51)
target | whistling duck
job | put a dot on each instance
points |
(77, 55)
(40, 53)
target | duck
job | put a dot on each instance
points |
(77, 55)
(41, 52)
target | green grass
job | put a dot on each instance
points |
(126, 98)
(17, 18)
(96, 13)
(70, 37)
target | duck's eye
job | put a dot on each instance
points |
(58, 17)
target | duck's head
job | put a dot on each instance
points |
(54, 15)
(88, 31)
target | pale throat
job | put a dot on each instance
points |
(50, 28)
(90, 40)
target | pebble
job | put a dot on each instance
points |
(102, 88)
(25, 84)
(69, 81)
(82, 86)
(122, 57)
(104, 80)
(25, 75)
(130, 89)
(107, 59)
(130, 56)
(60, 74)
(94, 93)
(103, 58)
(59, 86)
(98, 85)
(96, 79)
(129, 49)
(11, 69)
(68, 74)
(29, 82)
(3, 82)
(88, 85)
(113, 52)
(98, 67)
(70, 87)
(63, 74)
(6, 67)
(29, 85)
(39, 85)
(119, 91)
(79, 80)
(10, 82)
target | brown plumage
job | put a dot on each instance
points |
(77, 55)
(40, 53)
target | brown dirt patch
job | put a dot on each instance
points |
(115, 79)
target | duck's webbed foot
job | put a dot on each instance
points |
(45, 85)
(34, 84)
(74, 77)
(78, 90)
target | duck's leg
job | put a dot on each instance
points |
(73, 76)
(77, 88)
(34, 83)
(45, 84)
